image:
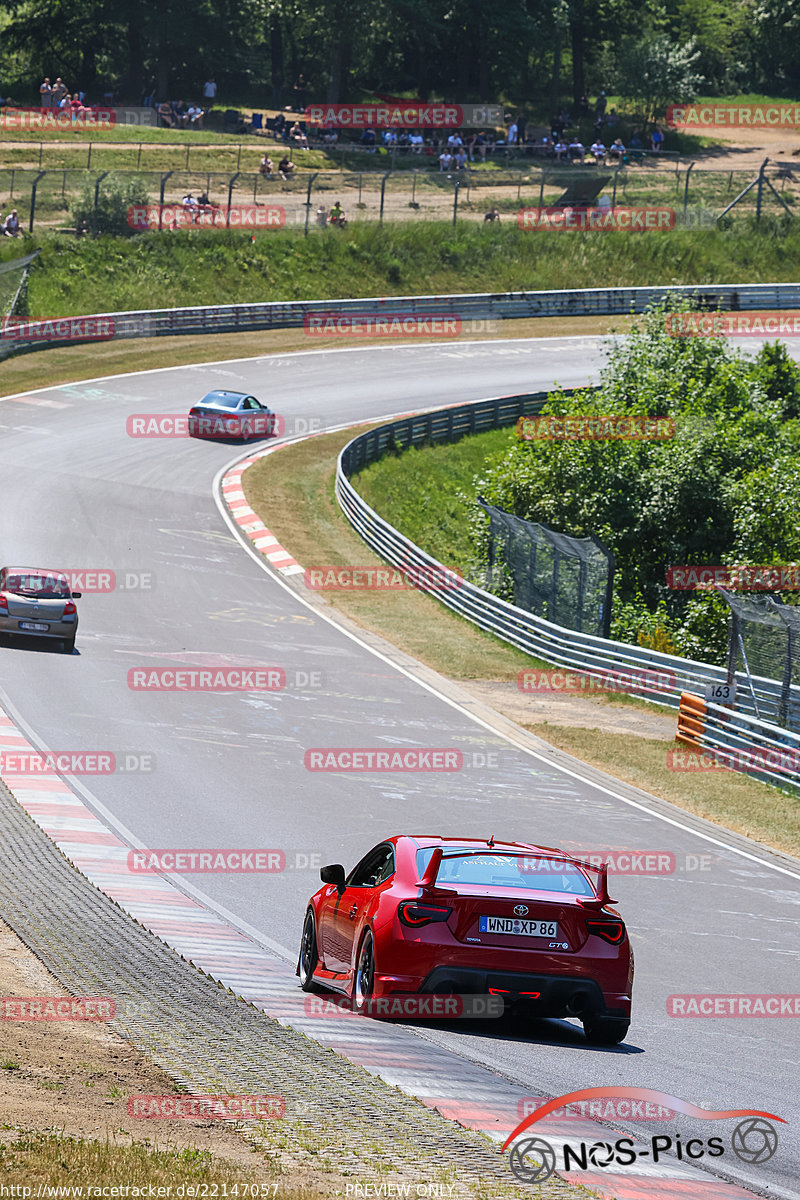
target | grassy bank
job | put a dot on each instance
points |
(214, 267)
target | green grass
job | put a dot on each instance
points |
(215, 267)
(419, 491)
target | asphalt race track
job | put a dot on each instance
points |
(228, 770)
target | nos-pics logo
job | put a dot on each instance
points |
(753, 1140)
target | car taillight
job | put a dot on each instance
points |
(3, 604)
(412, 913)
(609, 931)
(69, 609)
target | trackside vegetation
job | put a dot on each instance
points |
(163, 270)
(723, 489)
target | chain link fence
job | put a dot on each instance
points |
(562, 579)
(46, 197)
(764, 643)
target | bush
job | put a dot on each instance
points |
(114, 199)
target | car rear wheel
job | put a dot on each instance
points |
(309, 957)
(364, 981)
(605, 1031)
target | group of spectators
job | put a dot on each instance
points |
(175, 114)
(58, 95)
(285, 167)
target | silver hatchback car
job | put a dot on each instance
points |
(38, 603)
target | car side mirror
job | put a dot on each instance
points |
(333, 874)
(77, 595)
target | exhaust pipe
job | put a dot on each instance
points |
(577, 1004)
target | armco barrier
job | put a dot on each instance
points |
(534, 635)
(743, 742)
(234, 318)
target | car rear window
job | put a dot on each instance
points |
(495, 869)
(46, 587)
(219, 400)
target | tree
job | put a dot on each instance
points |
(653, 72)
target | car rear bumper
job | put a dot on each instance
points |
(62, 631)
(546, 995)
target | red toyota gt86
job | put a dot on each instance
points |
(457, 915)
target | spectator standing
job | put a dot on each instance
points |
(45, 94)
(600, 107)
(299, 89)
(209, 93)
(58, 93)
(513, 133)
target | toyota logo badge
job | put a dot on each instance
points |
(521, 910)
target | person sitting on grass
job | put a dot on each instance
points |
(165, 114)
(560, 149)
(445, 160)
(577, 150)
(461, 159)
(10, 227)
(599, 151)
(492, 215)
(286, 167)
(194, 116)
(616, 151)
(267, 168)
(298, 136)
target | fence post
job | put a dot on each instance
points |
(760, 191)
(41, 148)
(89, 158)
(34, 186)
(383, 190)
(686, 189)
(456, 187)
(97, 183)
(308, 201)
(139, 157)
(164, 179)
(231, 185)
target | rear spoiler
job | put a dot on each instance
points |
(429, 875)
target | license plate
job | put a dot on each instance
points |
(519, 927)
(36, 626)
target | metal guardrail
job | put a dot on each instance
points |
(739, 741)
(658, 677)
(232, 318)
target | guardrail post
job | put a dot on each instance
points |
(164, 179)
(231, 186)
(383, 190)
(34, 186)
(308, 201)
(97, 183)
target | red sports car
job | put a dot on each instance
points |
(461, 916)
